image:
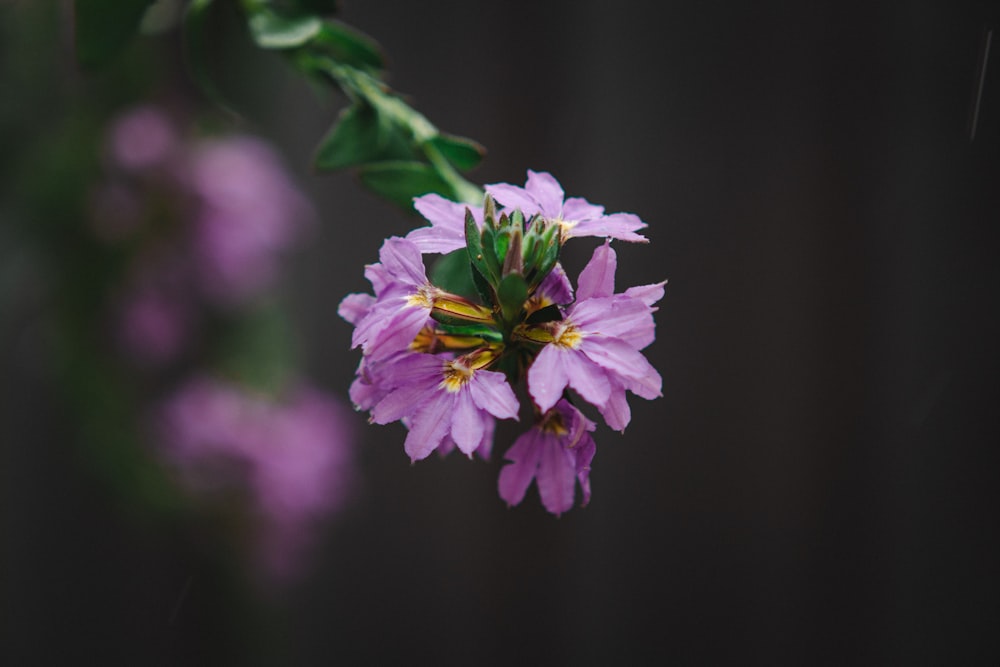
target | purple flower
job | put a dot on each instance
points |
(578, 217)
(154, 326)
(402, 305)
(249, 213)
(441, 397)
(141, 138)
(595, 348)
(447, 230)
(293, 459)
(556, 453)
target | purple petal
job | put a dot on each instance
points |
(616, 412)
(577, 208)
(513, 197)
(491, 392)
(648, 294)
(398, 333)
(354, 307)
(598, 278)
(447, 230)
(556, 286)
(547, 376)
(584, 455)
(378, 276)
(547, 192)
(617, 356)
(400, 402)
(619, 316)
(648, 385)
(588, 379)
(515, 477)
(467, 423)
(429, 426)
(403, 261)
(556, 476)
(616, 226)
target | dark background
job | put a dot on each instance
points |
(816, 486)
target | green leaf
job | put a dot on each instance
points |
(273, 31)
(362, 136)
(400, 182)
(512, 293)
(461, 152)
(104, 28)
(350, 46)
(453, 273)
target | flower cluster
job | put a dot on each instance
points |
(207, 222)
(199, 227)
(290, 457)
(446, 363)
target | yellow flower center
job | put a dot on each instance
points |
(456, 375)
(423, 297)
(567, 335)
(553, 424)
(564, 227)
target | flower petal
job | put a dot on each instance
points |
(397, 335)
(598, 278)
(515, 477)
(616, 226)
(447, 229)
(547, 192)
(547, 377)
(513, 197)
(648, 294)
(588, 379)
(491, 392)
(466, 423)
(556, 476)
(403, 260)
(354, 307)
(556, 286)
(429, 426)
(578, 208)
(616, 412)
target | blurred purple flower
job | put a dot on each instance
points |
(292, 458)
(250, 212)
(141, 138)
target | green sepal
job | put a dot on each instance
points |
(461, 152)
(477, 253)
(273, 31)
(448, 320)
(489, 251)
(361, 136)
(485, 289)
(103, 28)
(512, 293)
(484, 332)
(549, 254)
(401, 181)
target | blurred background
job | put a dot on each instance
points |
(814, 486)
